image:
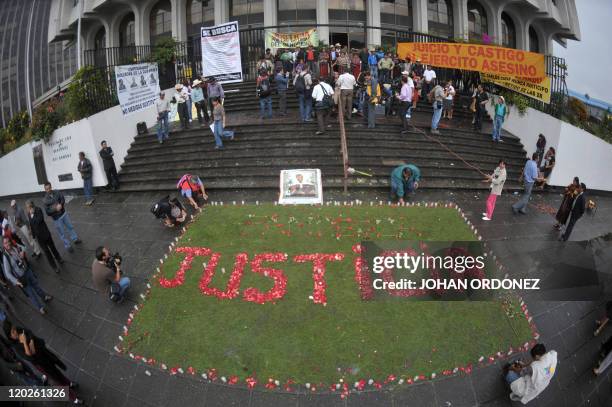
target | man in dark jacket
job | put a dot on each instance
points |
(86, 171)
(109, 166)
(41, 233)
(54, 203)
(578, 208)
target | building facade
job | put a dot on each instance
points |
(525, 24)
(31, 66)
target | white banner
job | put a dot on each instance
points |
(221, 53)
(137, 86)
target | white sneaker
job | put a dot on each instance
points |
(485, 218)
(484, 214)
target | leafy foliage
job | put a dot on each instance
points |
(48, 117)
(520, 102)
(164, 52)
(87, 90)
(578, 109)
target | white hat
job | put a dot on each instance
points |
(502, 99)
(338, 45)
(178, 86)
(405, 73)
(196, 82)
(13, 202)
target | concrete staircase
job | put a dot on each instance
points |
(262, 149)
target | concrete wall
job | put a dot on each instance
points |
(61, 152)
(579, 153)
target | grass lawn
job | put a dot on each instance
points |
(295, 338)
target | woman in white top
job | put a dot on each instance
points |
(497, 180)
(449, 95)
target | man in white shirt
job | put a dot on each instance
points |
(428, 80)
(527, 382)
(322, 95)
(163, 107)
(181, 95)
(347, 84)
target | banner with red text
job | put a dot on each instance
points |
(474, 57)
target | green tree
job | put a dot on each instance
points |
(87, 94)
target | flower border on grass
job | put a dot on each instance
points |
(343, 388)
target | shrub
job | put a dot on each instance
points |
(87, 94)
(46, 118)
(578, 109)
(164, 52)
(18, 125)
(520, 102)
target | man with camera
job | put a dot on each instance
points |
(19, 273)
(107, 275)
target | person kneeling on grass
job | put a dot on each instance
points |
(191, 188)
(528, 381)
(404, 180)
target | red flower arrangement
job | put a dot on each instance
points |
(318, 272)
(233, 285)
(280, 280)
(179, 277)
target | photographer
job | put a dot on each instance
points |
(170, 211)
(19, 273)
(106, 274)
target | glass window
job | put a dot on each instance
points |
(160, 21)
(440, 16)
(396, 12)
(199, 14)
(477, 20)
(100, 39)
(127, 35)
(247, 12)
(534, 43)
(347, 10)
(296, 11)
(508, 31)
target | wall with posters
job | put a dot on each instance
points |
(579, 153)
(61, 152)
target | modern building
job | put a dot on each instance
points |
(524, 24)
(596, 108)
(31, 66)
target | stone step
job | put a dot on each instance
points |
(328, 182)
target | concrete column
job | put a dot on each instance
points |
(323, 18)
(270, 13)
(419, 19)
(460, 20)
(222, 11)
(494, 23)
(141, 27)
(179, 19)
(373, 19)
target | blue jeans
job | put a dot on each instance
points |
(511, 376)
(220, 133)
(497, 126)
(88, 188)
(521, 205)
(384, 75)
(64, 222)
(305, 100)
(437, 114)
(188, 103)
(374, 71)
(124, 283)
(162, 127)
(265, 104)
(32, 289)
(408, 188)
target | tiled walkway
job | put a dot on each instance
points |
(83, 326)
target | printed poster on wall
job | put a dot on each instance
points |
(301, 187)
(221, 53)
(137, 86)
(292, 40)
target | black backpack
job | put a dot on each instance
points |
(263, 90)
(300, 84)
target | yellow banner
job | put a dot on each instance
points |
(474, 57)
(292, 40)
(537, 89)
